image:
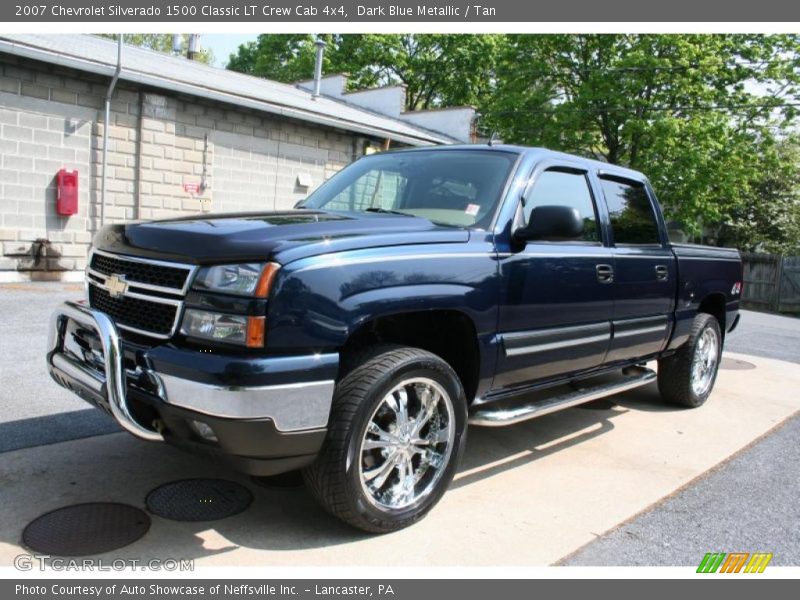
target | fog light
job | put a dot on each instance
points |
(204, 431)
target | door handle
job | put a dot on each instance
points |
(605, 273)
(662, 273)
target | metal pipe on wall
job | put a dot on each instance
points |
(320, 44)
(106, 121)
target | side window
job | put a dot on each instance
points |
(565, 188)
(630, 211)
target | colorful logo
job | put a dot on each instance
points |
(735, 562)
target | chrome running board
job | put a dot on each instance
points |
(500, 417)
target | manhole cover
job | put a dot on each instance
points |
(198, 499)
(734, 364)
(84, 529)
(292, 479)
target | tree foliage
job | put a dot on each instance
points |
(437, 69)
(162, 42)
(700, 114)
(771, 220)
(708, 117)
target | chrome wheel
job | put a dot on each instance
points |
(407, 444)
(704, 362)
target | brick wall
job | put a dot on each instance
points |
(52, 118)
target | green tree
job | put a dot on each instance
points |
(770, 222)
(161, 42)
(437, 70)
(699, 113)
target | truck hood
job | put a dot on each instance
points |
(279, 236)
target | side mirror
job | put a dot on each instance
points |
(551, 223)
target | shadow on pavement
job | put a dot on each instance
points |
(52, 429)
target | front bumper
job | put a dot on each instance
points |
(262, 415)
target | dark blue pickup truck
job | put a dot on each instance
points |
(415, 292)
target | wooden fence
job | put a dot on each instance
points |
(771, 283)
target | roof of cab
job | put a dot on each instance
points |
(540, 154)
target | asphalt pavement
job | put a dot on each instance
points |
(767, 335)
(35, 410)
(748, 503)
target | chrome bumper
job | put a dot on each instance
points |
(292, 407)
(112, 387)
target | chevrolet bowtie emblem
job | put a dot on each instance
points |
(116, 285)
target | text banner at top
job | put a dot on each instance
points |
(342, 11)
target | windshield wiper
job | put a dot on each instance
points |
(378, 209)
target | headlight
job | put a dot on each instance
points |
(247, 279)
(219, 327)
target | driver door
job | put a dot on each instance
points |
(556, 301)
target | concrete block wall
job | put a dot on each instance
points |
(51, 117)
(34, 145)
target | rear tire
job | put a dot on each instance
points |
(395, 436)
(687, 377)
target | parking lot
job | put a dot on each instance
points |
(531, 494)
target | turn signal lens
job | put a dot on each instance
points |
(255, 332)
(265, 281)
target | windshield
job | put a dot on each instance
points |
(450, 187)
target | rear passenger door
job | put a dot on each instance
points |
(644, 270)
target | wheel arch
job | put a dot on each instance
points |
(449, 333)
(714, 305)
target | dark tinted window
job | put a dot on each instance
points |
(630, 211)
(565, 189)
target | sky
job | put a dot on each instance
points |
(223, 45)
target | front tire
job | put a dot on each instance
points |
(687, 377)
(395, 437)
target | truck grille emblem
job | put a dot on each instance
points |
(116, 285)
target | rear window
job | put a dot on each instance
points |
(630, 211)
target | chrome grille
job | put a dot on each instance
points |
(156, 275)
(140, 295)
